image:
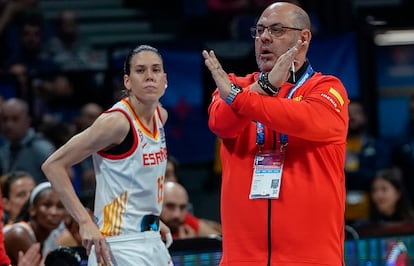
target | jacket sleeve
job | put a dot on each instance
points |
(318, 110)
(224, 121)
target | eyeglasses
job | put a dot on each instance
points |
(274, 30)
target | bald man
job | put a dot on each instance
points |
(176, 216)
(25, 150)
(283, 129)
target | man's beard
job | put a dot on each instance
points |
(174, 224)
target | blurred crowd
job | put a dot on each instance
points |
(44, 70)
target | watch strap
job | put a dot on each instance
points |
(234, 91)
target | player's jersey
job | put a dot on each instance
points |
(129, 185)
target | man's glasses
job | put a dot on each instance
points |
(274, 30)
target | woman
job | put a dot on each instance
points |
(390, 208)
(389, 201)
(45, 214)
(128, 147)
(16, 189)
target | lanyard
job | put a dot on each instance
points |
(283, 137)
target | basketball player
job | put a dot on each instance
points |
(129, 152)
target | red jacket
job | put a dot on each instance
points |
(4, 259)
(305, 226)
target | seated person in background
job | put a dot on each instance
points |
(45, 214)
(175, 214)
(390, 207)
(25, 149)
(16, 188)
(171, 170)
(71, 236)
(67, 49)
(365, 155)
(83, 178)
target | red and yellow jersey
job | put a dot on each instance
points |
(305, 225)
(129, 184)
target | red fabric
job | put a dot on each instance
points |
(193, 222)
(4, 259)
(307, 221)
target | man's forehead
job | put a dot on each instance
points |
(174, 203)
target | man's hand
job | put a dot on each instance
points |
(219, 75)
(281, 70)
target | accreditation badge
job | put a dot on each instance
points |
(267, 174)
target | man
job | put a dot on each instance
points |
(25, 150)
(176, 216)
(365, 154)
(283, 134)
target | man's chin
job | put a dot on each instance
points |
(174, 228)
(265, 66)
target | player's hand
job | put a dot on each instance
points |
(166, 234)
(90, 235)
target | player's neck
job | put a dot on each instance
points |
(145, 111)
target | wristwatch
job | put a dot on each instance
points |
(234, 91)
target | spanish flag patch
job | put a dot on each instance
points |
(338, 96)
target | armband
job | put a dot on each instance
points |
(265, 84)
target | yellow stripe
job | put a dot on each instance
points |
(113, 215)
(140, 124)
(337, 96)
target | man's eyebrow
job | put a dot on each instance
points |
(271, 25)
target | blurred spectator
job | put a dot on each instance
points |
(175, 214)
(55, 131)
(84, 174)
(45, 214)
(403, 153)
(16, 188)
(365, 155)
(32, 256)
(88, 114)
(67, 256)
(3, 139)
(71, 236)
(19, 60)
(29, 49)
(389, 200)
(4, 259)
(390, 207)
(39, 80)
(10, 15)
(171, 170)
(25, 150)
(67, 50)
